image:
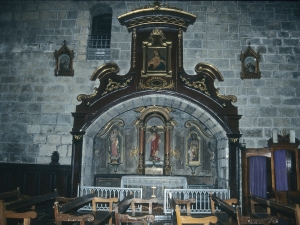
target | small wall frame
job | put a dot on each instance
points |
(64, 61)
(250, 64)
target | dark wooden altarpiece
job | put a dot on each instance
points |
(157, 29)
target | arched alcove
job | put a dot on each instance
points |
(170, 86)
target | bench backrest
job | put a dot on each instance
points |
(21, 203)
(10, 194)
(275, 205)
(178, 219)
(226, 205)
(75, 203)
(293, 197)
(121, 207)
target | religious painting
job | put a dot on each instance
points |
(156, 58)
(115, 143)
(193, 147)
(157, 55)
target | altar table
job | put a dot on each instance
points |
(154, 185)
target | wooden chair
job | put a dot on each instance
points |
(108, 201)
(135, 217)
(178, 219)
(187, 203)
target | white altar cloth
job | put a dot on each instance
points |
(159, 182)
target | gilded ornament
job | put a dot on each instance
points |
(179, 47)
(234, 140)
(233, 98)
(175, 153)
(84, 96)
(156, 83)
(197, 84)
(114, 85)
(78, 137)
(134, 152)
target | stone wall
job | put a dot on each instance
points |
(36, 106)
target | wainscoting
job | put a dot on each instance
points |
(35, 179)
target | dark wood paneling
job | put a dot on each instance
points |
(35, 179)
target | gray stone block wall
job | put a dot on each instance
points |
(36, 106)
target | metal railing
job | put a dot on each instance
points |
(107, 192)
(98, 47)
(202, 204)
(201, 196)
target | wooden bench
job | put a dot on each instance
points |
(19, 209)
(142, 216)
(187, 204)
(178, 219)
(10, 194)
(66, 209)
(235, 212)
(289, 210)
(109, 201)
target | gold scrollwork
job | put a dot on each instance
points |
(156, 83)
(233, 98)
(84, 96)
(157, 19)
(234, 140)
(175, 153)
(134, 152)
(197, 84)
(78, 137)
(114, 85)
(157, 6)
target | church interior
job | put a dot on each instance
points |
(188, 109)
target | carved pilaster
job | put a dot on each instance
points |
(76, 161)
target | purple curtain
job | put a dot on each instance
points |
(258, 176)
(280, 170)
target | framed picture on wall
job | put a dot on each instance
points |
(250, 64)
(157, 55)
(64, 61)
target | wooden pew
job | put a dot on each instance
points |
(18, 209)
(10, 194)
(178, 219)
(108, 201)
(187, 203)
(235, 212)
(293, 197)
(68, 210)
(290, 210)
(121, 216)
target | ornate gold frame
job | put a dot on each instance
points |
(157, 43)
(64, 61)
(189, 148)
(250, 64)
